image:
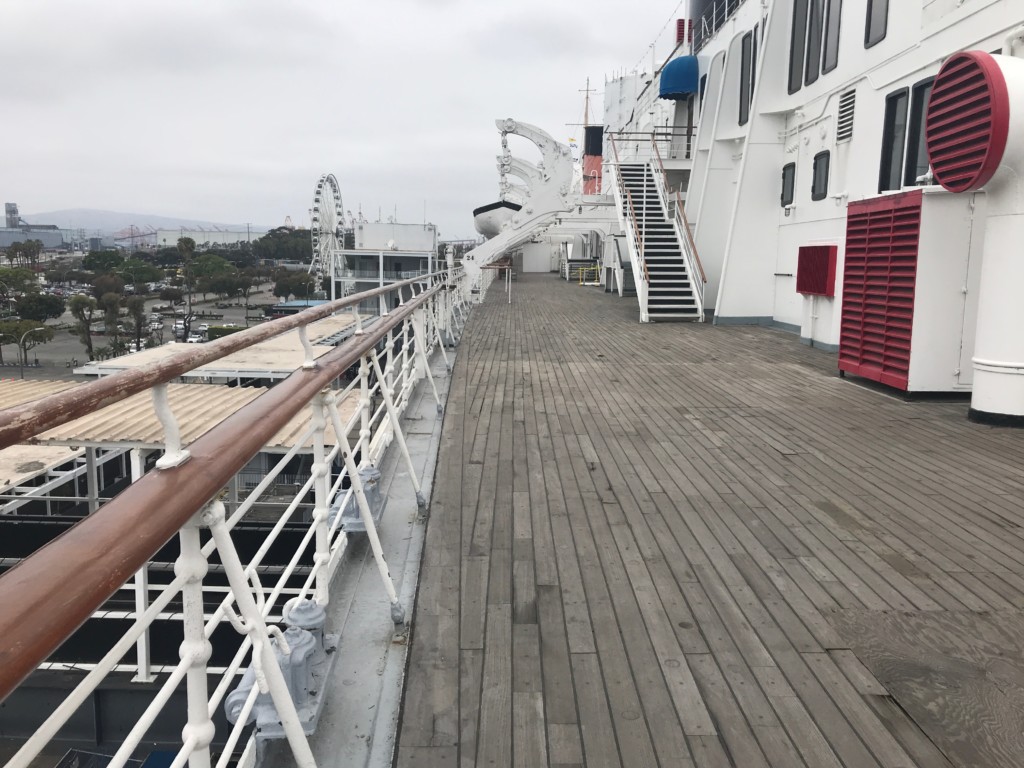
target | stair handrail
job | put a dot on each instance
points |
(682, 226)
(636, 233)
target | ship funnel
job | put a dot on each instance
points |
(975, 140)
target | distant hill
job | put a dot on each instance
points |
(108, 222)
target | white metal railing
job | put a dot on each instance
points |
(675, 213)
(675, 143)
(392, 356)
(374, 274)
(628, 215)
(711, 21)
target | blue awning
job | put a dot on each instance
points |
(680, 78)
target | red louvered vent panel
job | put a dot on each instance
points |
(816, 270)
(684, 30)
(879, 275)
(968, 121)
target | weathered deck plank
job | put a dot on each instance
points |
(676, 545)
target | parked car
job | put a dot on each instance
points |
(194, 338)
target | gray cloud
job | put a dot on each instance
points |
(230, 110)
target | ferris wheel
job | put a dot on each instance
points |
(326, 222)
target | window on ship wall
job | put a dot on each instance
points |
(877, 22)
(745, 70)
(814, 45)
(819, 183)
(894, 139)
(916, 164)
(788, 183)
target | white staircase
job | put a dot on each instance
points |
(664, 267)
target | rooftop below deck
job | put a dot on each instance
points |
(689, 545)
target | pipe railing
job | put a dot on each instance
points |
(638, 142)
(634, 231)
(712, 20)
(682, 229)
(48, 595)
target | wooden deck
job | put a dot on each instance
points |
(687, 545)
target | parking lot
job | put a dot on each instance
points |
(57, 358)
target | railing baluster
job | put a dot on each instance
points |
(264, 660)
(195, 647)
(321, 472)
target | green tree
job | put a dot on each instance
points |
(138, 272)
(40, 307)
(105, 284)
(31, 334)
(284, 244)
(82, 309)
(173, 295)
(187, 249)
(7, 335)
(210, 265)
(18, 280)
(283, 287)
(102, 262)
(137, 312)
(111, 305)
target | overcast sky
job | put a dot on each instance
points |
(231, 111)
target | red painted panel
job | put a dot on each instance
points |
(879, 278)
(592, 174)
(816, 270)
(968, 121)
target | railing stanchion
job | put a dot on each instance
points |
(192, 565)
(321, 472)
(420, 341)
(264, 660)
(397, 612)
(393, 415)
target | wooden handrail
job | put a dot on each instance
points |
(51, 593)
(637, 233)
(685, 226)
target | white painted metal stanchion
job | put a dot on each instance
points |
(397, 612)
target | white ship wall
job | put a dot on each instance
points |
(735, 186)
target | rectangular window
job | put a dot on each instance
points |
(819, 185)
(753, 62)
(833, 18)
(813, 67)
(894, 137)
(877, 22)
(702, 87)
(745, 45)
(917, 154)
(788, 183)
(796, 45)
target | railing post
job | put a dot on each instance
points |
(264, 660)
(321, 472)
(144, 673)
(199, 730)
(364, 411)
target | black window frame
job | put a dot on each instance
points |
(831, 30)
(798, 45)
(818, 193)
(746, 67)
(882, 8)
(920, 93)
(889, 162)
(753, 62)
(788, 184)
(815, 38)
